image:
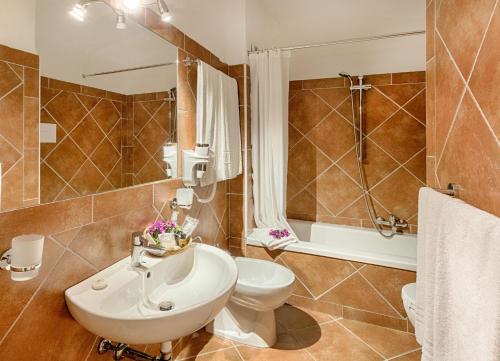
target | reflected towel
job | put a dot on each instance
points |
(218, 123)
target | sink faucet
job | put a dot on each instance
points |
(138, 247)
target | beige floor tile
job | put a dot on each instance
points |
(223, 355)
(272, 354)
(200, 343)
(294, 318)
(335, 344)
(412, 356)
(386, 341)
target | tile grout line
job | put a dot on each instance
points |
(382, 296)
(360, 339)
(300, 280)
(337, 284)
(403, 354)
(194, 357)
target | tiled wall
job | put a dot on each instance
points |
(346, 289)
(87, 157)
(152, 126)
(323, 179)
(83, 235)
(19, 98)
(463, 104)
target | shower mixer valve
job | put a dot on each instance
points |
(394, 222)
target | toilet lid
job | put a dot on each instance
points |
(410, 292)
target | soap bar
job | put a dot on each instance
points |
(99, 284)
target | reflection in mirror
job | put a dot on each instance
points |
(108, 102)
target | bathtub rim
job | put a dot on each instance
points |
(318, 249)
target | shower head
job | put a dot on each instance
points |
(343, 74)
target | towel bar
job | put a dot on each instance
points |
(452, 190)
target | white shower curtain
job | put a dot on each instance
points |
(269, 103)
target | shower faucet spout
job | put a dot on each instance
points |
(394, 222)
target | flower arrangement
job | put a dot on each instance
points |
(159, 228)
(279, 233)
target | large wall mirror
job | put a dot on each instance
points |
(108, 102)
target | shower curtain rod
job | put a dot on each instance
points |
(345, 41)
(128, 69)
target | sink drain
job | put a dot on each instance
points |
(166, 305)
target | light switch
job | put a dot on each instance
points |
(48, 133)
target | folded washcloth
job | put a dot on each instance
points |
(277, 243)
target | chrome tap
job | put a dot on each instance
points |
(394, 222)
(138, 247)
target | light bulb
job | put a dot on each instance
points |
(166, 17)
(78, 12)
(131, 4)
(120, 22)
(164, 12)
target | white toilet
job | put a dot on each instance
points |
(248, 317)
(409, 295)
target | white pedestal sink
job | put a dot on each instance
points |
(197, 283)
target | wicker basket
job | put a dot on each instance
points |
(181, 247)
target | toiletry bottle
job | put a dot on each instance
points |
(189, 225)
(174, 216)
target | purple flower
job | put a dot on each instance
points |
(157, 227)
(279, 233)
(170, 226)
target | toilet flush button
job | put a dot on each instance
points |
(99, 284)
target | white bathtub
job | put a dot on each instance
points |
(349, 243)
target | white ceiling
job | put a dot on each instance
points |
(68, 48)
(229, 27)
(219, 25)
(278, 23)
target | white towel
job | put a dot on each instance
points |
(278, 243)
(458, 280)
(218, 123)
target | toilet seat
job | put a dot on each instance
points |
(262, 285)
(409, 296)
(409, 293)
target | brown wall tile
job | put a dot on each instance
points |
(122, 201)
(18, 57)
(343, 288)
(45, 219)
(394, 115)
(464, 128)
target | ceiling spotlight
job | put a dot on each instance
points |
(131, 5)
(120, 22)
(78, 12)
(165, 14)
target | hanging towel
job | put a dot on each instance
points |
(458, 282)
(218, 123)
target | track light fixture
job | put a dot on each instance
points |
(165, 14)
(79, 10)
